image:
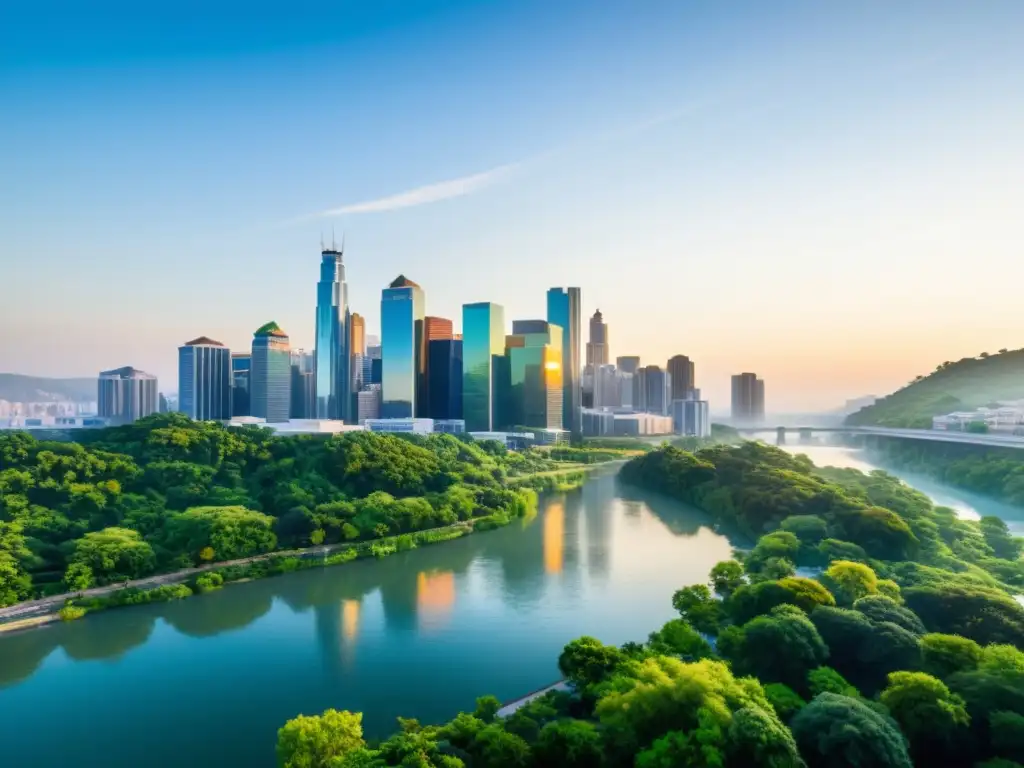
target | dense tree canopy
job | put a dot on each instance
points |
(167, 492)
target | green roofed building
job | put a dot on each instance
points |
(270, 379)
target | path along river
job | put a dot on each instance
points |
(208, 680)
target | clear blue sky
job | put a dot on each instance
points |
(826, 193)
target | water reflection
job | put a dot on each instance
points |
(554, 538)
(435, 597)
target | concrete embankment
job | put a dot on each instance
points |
(511, 706)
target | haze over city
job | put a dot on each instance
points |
(827, 195)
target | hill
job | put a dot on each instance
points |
(960, 386)
(17, 388)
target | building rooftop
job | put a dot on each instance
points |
(403, 282)
(270, 329)
(127, 372)
(203, 341)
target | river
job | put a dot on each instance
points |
(207, 681)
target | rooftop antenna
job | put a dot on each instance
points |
(334, 245)
(343, 242)
(322, 240)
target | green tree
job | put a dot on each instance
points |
(78, 577)
(838, 731)
(486, 708)
(677, 638)
(569, 744)
(726, 577)
(587, 660)
(114, 554)
(781, 647)
(1001, 658)
(827, 680)
(934, 719)
(316, 741)
(881, 608)
(232, 532)
(850, 581)
(943, 655)
(784, 700)
(697, 605)
(498, 748)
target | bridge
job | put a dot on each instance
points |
(935, 435)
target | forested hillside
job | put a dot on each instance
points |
(167, 493)
(953, 386)
(16, 388)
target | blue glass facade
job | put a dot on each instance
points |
(241, 366)
(205, 380)
(333, 339)
(403, 350)
(564, 311)
(483, 356)
(445, 378)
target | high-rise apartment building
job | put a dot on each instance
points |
(652, 390)
(747, 398)
(535, 364)
(333, 339)
(368, 404)
(483, 365)
(690, 417)
(204, 380)
(680, 367)
(357, 334)
(270, 380)
(628, 363)
(126, 394)
(437, 328)
(597, 347)
(403, 350)
(445, 374)
(241, 367)
(564, 311)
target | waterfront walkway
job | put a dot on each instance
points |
(511, 706)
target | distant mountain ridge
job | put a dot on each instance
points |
(17, 388)
(953, 386)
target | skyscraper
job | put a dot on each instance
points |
(357, 335)
(437, 328)
(333, 339)
(690, 417)
(681, 369)
(403, 350)
(535, 364)
(271, 375)
(628, 363)
(597, 347)
(241, 367)
(657, 389)
(564, 311)
(445, 372)
(483, 347)
(747, 398)
(126, 394)
(204, 380)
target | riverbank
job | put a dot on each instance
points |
(188, 582)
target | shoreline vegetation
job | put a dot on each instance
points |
(187, 506)
(996, 473)
(904, 650)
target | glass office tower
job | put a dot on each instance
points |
(564, 311)
(445, 374)
(126, 394)
(270, 381)
(403, 350)
(204, 380)
(333, 340)
(535, 363)
(483, 348)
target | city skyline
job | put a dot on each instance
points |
(816, 183)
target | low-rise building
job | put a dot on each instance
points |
(450, 426)
(514, 441)
(416, 426)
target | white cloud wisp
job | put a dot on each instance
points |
(430, 193)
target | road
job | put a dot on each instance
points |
(934, 435)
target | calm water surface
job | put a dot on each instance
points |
(207, 681)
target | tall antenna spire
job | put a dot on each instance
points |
(334, 246)
(322, 240)
(343, 242)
